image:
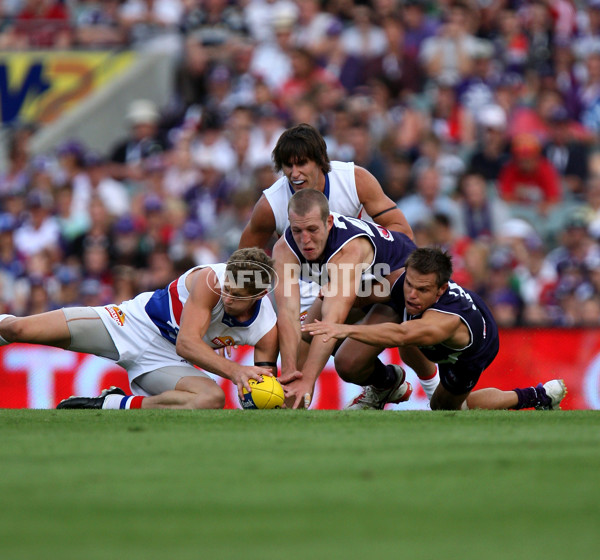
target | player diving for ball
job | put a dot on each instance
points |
(449, 324)
(160, 338)
(351, 260)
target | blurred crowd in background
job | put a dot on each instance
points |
(481, 118)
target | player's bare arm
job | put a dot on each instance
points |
(195, 321)
(378, 205)
(260, 228)
(267, 350)
(287, 298)
(338, 297)
(432, 328)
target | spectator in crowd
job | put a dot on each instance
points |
(481, 214)
(40, 232)
(449, 166)
(429, 200)
(511, 41)
(419, 26)
(43, 23)
(144, 141)
(99, 25)
(271, 60)
(568, 155)
(492, 148)
(531, 184)
(450, 52)
(363, 44)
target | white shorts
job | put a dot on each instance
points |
(140, 345)
(309, 292)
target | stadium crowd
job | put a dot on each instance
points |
(480, 118)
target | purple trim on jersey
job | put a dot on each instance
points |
(231, 321)
(325, 189)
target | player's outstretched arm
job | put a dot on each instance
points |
(378, 205)
(287, 298)
(195, 321)
(260, 228)
(432, 328)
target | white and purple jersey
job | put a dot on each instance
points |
(390, 248)
(165, 306)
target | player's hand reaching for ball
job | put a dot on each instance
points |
(242, 374)
(298, 392)
(327, 330)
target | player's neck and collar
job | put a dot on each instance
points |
(244, 320)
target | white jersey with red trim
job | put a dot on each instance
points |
(340, 190)
(165, 306)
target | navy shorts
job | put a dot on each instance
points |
(458, 378)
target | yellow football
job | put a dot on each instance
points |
(267, 393)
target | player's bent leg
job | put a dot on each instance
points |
(179, 387)
(355, 361)
(443, 399)
(88, 334)
(426, 371)
(492, 399)
(49, 329)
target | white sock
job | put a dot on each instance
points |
(113, 401)
(4, 342)
(120, 402)
(429, 385)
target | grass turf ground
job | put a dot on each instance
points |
(299, 484)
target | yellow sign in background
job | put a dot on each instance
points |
(39, 86)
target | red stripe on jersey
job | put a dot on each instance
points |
(176, 304)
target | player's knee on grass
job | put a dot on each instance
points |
(213, 398)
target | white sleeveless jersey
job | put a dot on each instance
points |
(165, 306)
(340, 190)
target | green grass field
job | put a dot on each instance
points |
(299, 484)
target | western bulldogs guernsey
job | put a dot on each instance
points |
(391, 248)
(472, 310)
(165, 306)
(340, 191)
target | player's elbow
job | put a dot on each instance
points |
(184, 348)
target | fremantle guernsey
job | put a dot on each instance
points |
(390, 248)
(484, 341)
(340, 191)
(165, 306)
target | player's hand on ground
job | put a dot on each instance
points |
(241, 376)
(298, 393)
(327, 330)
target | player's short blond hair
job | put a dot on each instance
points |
(256, 261)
